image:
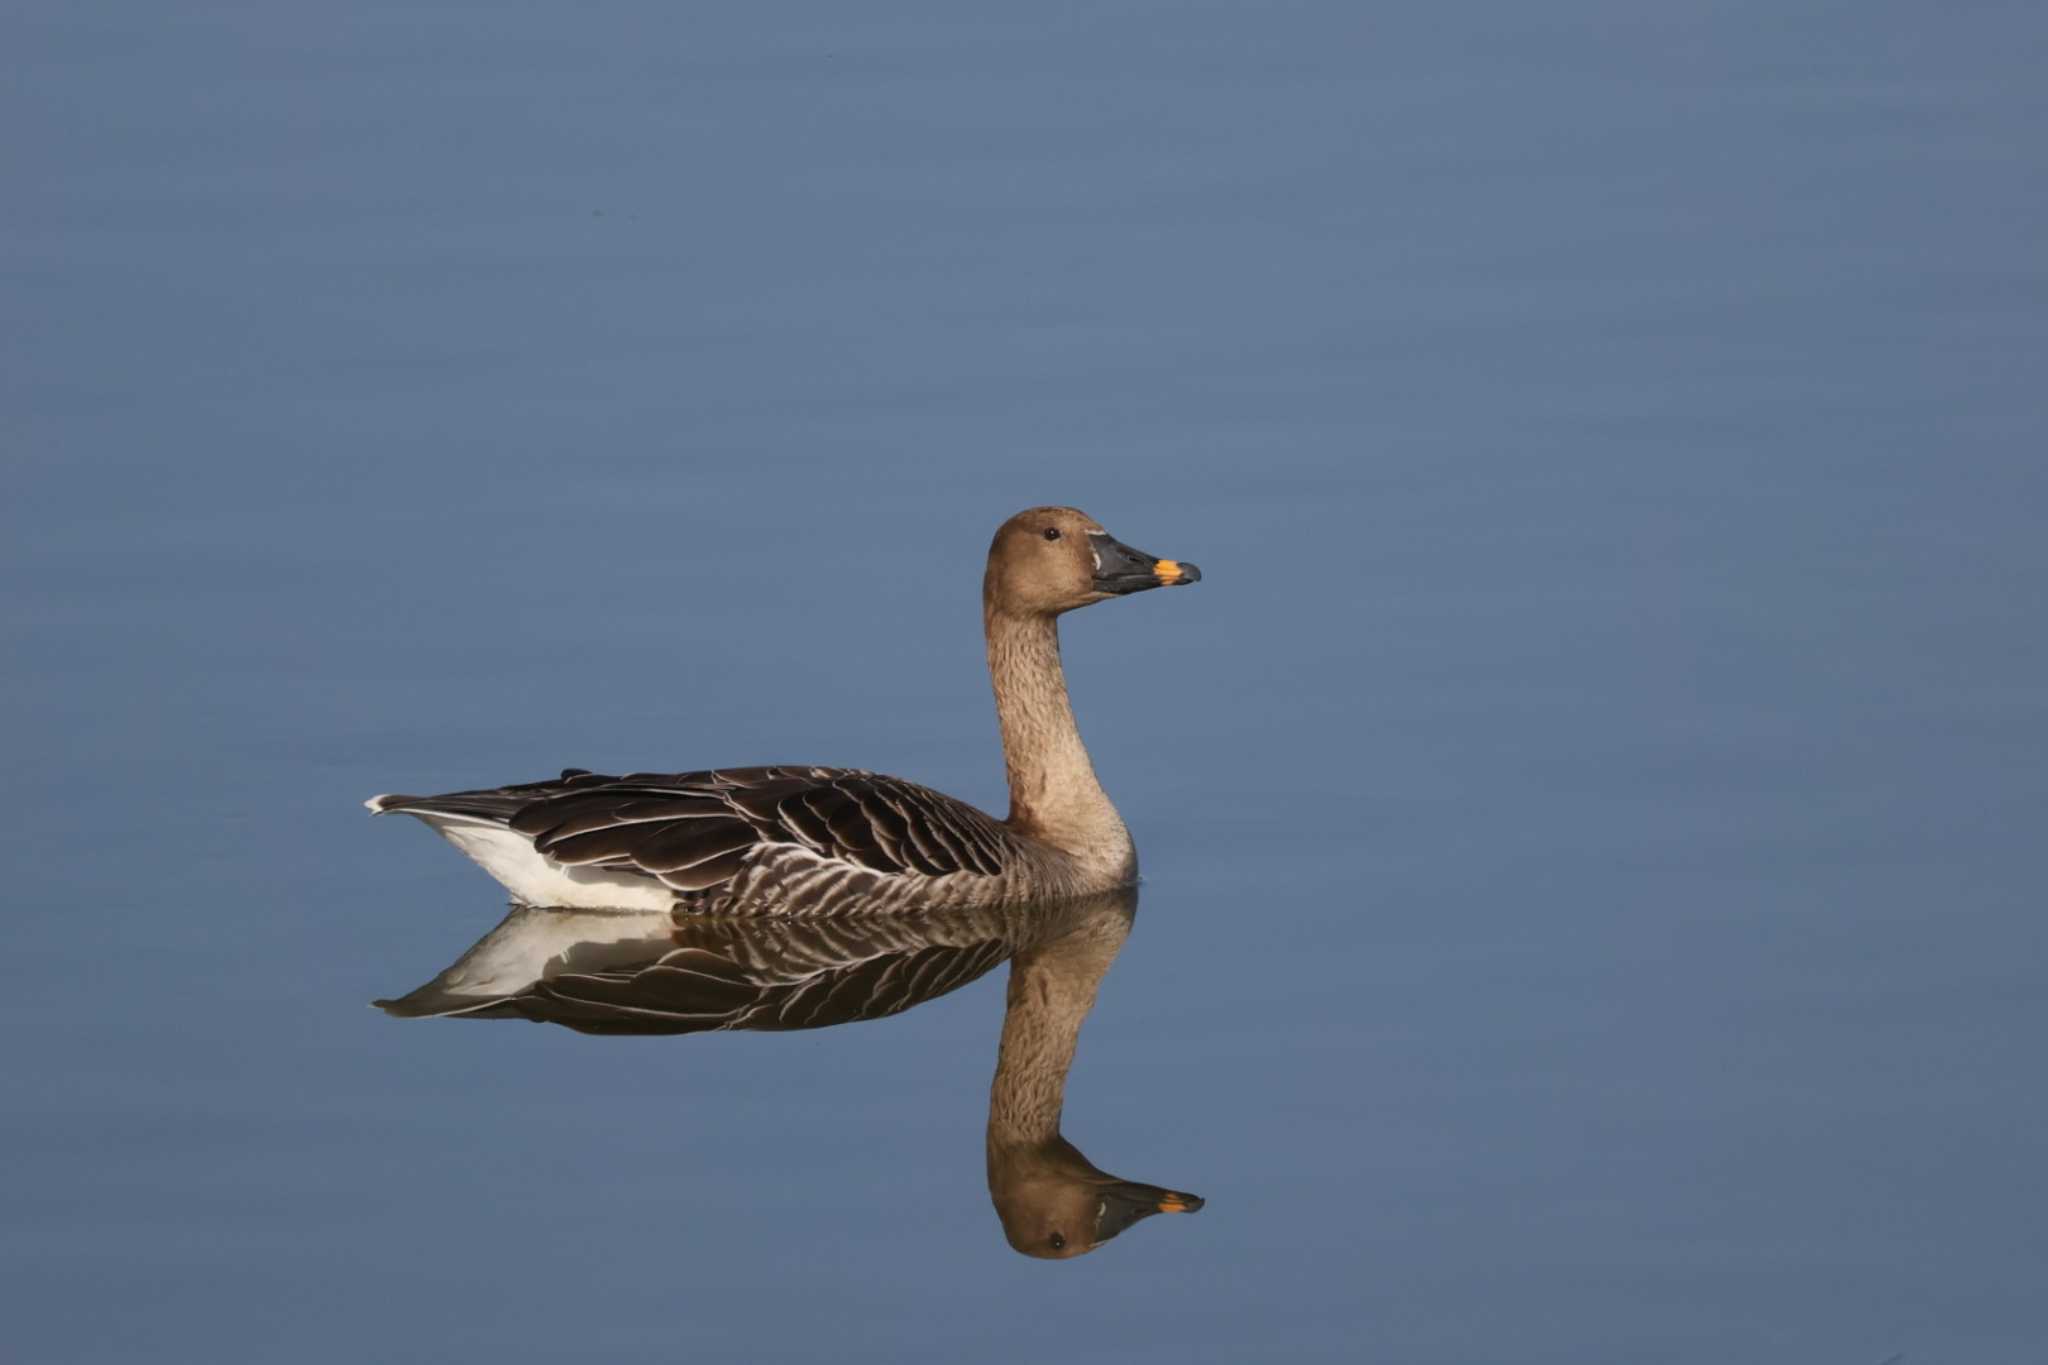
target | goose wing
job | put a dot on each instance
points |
(823, 833)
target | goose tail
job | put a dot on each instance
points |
(496, 808)
(479, 823)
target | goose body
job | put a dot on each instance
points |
(771, 840)
(800, 840)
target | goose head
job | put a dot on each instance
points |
(1056, 1204)
(1049, 560)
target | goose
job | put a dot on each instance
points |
(677, 972)
(800, 840)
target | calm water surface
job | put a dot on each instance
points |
(1590, 809)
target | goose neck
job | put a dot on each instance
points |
(1054, 793)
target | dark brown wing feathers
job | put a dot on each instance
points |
(698, 831)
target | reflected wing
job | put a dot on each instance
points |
(827, 833)
(613, 972)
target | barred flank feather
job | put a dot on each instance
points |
(782, 840)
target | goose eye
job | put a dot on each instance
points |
(1059, 1242)
(1052, 533)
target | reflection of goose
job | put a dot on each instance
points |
(656, 972)
(803, 840)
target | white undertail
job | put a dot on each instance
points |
(532, 877)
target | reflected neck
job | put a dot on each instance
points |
(1051, 991)
(1054, 793)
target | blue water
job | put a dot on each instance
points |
(1590, 808)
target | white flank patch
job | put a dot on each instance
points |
(536, 879)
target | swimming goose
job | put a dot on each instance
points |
(800, 840)
(673, 972)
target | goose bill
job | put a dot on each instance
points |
(1120, 570)
(1125, 1202)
